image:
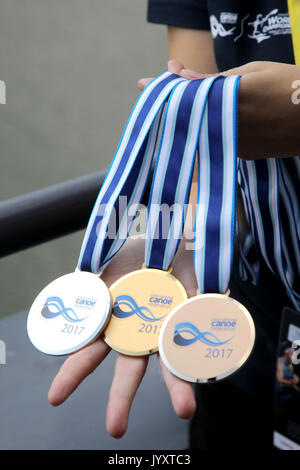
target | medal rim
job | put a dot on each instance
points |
(221, 376)
(92, 337)
(145, 352)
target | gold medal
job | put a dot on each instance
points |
(207, 338)
(141, 301)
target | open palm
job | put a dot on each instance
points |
(129, 370)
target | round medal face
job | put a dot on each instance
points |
(69, 313)
(207, 338)
(141, 302)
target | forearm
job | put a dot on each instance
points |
(269, 109)
(269, 104)
(269, 113)
(193, 48)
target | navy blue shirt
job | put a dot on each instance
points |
(242, 30)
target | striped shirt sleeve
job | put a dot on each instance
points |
(182, 13)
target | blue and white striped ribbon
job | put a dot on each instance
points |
(173, 171)
(215, 219)
(127, 176)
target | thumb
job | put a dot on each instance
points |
(143, 82)
(174, 66)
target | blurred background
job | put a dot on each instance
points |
(71, 69)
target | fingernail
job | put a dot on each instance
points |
(172, 61)
(142, 83)
(187, 73)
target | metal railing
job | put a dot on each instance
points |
(49, 213)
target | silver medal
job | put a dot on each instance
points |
(69, 313)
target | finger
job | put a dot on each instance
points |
(250, 67)
(192, 74)
(143, 82)
(75, 369)
(129, 372)
(177, 67)
(181, 393)
(174, 66)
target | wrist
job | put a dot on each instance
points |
(269, 119)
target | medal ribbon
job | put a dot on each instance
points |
(173, 171)
(214, 100)
(215, 219)
(127, 176)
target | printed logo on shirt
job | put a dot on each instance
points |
(227, 17)
(217, 28)
(259, 28)
(272, 24)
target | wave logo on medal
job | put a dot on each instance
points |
(125, 306)
(193, 334)
(54, 306)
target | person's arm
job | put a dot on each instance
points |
(269, 95)
(188, 49)
(269, 108)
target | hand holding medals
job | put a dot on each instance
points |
(203, 338)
